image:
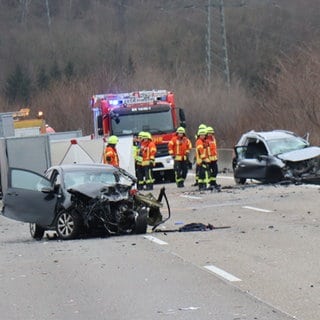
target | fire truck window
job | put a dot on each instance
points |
(156, 122)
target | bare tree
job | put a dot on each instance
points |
(292, 100)
(24, 7)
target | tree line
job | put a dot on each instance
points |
(54, 55)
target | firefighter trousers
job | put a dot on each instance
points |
(203, 176)
(181, 171)
(213, 172)
(145, 177)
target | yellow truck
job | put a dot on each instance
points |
(25, 126)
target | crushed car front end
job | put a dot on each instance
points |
(116, 209)
(302, 166)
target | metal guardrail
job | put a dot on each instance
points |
(225, 160)
(225, 156)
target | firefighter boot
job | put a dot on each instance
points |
(180, 184)
(149, 186)
(140, 186)
(202, 186)
(214, 185)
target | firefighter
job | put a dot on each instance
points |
(213, 159)
(147, 153)
(110, 152)
(202, 159)
(201, 126)
(136, 149)
(179, 148)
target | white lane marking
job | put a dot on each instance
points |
(256, 209)
(156, 240)
(190, 197)
(222, 273)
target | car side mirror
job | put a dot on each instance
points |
(262, 157)
(47, 189)
(182, 118)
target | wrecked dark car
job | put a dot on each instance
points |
(276, 156)
(80, 199)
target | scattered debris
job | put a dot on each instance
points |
(189, 308)
(195, 226)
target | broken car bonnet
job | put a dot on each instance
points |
(300, 155)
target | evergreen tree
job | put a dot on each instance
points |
(131, 68)
(55, 72)
(43, 79)
(69, 70)
(18, 86)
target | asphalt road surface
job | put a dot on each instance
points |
(265, 266)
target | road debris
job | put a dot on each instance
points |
(194, 226)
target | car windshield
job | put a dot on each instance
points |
(278, 146)
(74, 178)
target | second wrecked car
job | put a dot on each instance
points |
(275, 156)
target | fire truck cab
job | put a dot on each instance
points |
(129, 113)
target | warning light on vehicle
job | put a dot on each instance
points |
(115, 102)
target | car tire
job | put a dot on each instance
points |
(68, 225)
(36, 231)
(141, 224)
(240, 180)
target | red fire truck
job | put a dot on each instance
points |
(129, 113)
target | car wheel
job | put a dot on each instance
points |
(68, 225)
(36, 231)
(240, 180)
(141, 222)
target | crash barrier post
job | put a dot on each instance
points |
(224, 159)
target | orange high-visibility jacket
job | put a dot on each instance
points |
(111, 156)
(201, 151)
(179, 147)
(148, 152)
(212, 148)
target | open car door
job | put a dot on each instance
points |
(30, 197)
(250, 165)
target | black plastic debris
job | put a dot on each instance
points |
(194, 226)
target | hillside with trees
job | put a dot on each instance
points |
(249, 64)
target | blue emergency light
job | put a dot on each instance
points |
(115, 102)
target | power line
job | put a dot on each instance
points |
(224, 43)
(221, 33)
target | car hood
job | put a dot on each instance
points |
(300, 155)
(89, 189)
(93, 190)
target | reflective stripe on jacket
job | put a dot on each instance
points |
(148, 152)
(136, 154)
(179, 147)
(201, 152)
(212, 148)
